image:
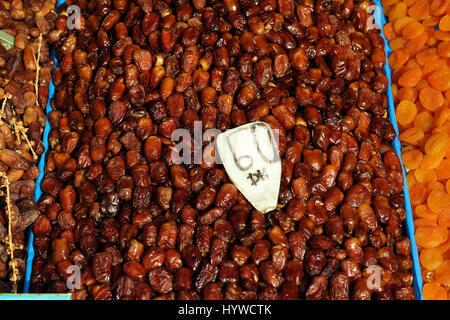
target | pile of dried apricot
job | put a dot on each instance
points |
(419, 35)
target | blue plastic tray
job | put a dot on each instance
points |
(380, 20)
(38, 190)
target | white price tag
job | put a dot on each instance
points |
(250, 156)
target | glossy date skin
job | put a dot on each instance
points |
(144, 227)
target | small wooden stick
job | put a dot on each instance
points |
(10, 236)
(23, 130)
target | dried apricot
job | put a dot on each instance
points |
(441, 35)
(412, 30)
(400, 23)
(425, 175)
(411, 135)
(434, 65)
(436, 143)
(431, 99)
(440, 79)
(406, 111)
(438, 7)
(397, 11)
(431, 258)
(411, 77)
(412, 159)
(426, 55)
(420, 10)
(424, 120)
(444, 23)
(444, 220)
(388, 31)
(407, 93)
(442, 116)
(398, 43)
(423, 211)
(442, 273)
(439, 201)
(431, 236)
(388, 2)
(444, 49)
(418, 193)
(434, 291)
(431, 161)
(430, 21)
(398, 58)
(443, 169)
(425, 222)
(411, 179)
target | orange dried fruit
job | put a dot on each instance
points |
(394, 89)
(443, 49)
(424, 175)
(444, 23)
(431, 99)
(430, 236)
(407, 93)
(442, 116)
(438, 7)
(412, 30)
(424, 222)
(409, 3)
(411, 77)
(431, 258)
(442, 273)
(398, 58)
(426, 55)
(405, 112)
(440, 79)
(418, 193)
(435, 185)
(388, 2)
(447, 186)
(436, 143)
(410, 179)
(398, 43)
(400, 23)
(412, 158)
(439, 201)
(412, 63)
(398, 10)
(431, 161)
(444, 221)
(411, 135)
(422, 211)
(441, 35)
(443, 169)
(430, 21)
(431, 66)
(420, 10)
(434, 291)
(424, 120)
(388, 31)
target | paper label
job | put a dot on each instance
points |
(251, 159)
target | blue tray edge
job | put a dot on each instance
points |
(380, 20)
